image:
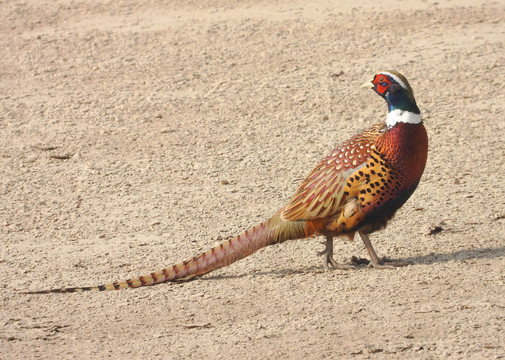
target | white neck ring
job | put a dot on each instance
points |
(397, 116)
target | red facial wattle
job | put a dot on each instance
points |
(381, 83)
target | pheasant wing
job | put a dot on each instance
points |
(322, 193)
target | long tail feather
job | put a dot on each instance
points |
(270, 232)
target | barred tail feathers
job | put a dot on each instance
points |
(273, 231)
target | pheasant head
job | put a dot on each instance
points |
(396, 90)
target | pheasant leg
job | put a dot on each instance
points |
(374, 259)
(328, 256)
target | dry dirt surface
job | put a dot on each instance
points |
(135, 134)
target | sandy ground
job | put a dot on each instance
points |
(135, 134)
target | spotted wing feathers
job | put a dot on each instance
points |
(322, 192)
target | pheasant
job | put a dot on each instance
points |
(357, 188)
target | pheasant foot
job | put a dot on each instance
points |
(374, 259)
(385, 264)
(328, 257)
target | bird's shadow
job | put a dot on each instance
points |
(464, 254)
(433, 258)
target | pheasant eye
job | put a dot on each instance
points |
(382, 81)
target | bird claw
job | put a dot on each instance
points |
(383, 263)
(375, 262)
(329, 260)
(387, 264)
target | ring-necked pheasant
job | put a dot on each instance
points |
(358, 187)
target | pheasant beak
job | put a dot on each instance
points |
(368, 85)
